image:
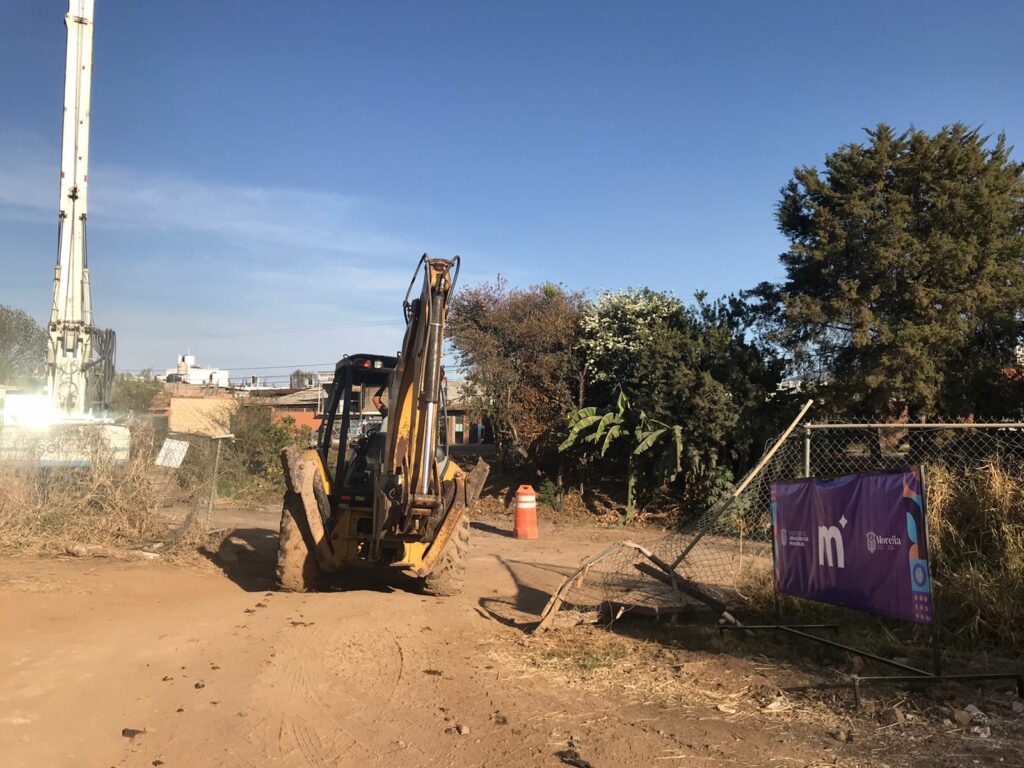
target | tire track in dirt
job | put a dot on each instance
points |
(317, 674)
(361, 677)
(309, 745)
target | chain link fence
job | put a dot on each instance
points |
(184, 473)
(724, 559)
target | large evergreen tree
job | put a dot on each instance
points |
(904, 290)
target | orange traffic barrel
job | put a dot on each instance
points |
(526, 513)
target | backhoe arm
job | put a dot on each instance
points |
(413, 466)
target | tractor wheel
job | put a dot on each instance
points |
(297, 569)
(448, 576)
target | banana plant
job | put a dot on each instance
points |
(650, 444)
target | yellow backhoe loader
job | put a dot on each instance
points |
(387, 494)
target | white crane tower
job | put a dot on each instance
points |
(79, 356)
(59, 428)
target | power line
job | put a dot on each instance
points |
(302, 366)
(305, 367)
(292, 366)
(246, 368)
(272, 331)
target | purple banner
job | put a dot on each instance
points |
(857, 541)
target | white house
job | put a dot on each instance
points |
(189, 372)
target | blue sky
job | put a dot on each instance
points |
(261, 165)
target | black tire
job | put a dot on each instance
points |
(297, 569)
(448, 576)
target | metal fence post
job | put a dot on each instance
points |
(219, 439)
(936, 627)
(807, 452)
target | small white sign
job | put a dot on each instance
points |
(172, 453)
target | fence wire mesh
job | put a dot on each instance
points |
(727, 553)
(184, 472)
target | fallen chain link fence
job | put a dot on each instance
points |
(723, 558)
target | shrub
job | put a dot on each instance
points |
(250, 465)
(551, 495)
(134, 394)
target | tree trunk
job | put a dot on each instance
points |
(630, 487)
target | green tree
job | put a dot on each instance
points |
(517, 347)
(251, 462)
(904, 289)
(22, 347)
(654, 450)
(134, 394)
(695, 366)
(617, 344)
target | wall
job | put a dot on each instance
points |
(303, 417)
(201, 416)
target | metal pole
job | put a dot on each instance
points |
(213, 485)
(936, 633)
(917, 425)
(851, 649)
(777, 604)
(807, 452)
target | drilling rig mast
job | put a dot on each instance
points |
(59, 428)
(80, 357)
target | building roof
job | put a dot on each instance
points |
(311, 397)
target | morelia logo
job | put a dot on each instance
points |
(874, 541)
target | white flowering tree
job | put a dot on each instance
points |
(689, 365)
(616, 332)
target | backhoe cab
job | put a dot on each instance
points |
(383, 493)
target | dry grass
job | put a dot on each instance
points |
(698, 676)
(104, 505)
(635, 668)
(976, 530)
(598, 661)
(571, 510)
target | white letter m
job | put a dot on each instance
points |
(826, 538)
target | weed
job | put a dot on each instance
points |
(105, 503)
(551, 495)
(587, 658)
(976, 531)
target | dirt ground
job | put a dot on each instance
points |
(107, 663)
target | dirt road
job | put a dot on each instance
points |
(135, 664)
